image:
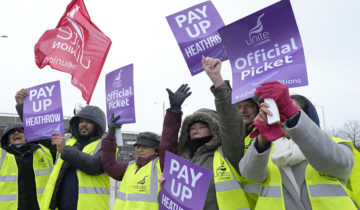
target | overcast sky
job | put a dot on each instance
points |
(141, 35)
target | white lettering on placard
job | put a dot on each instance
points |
(201, 26)
(41, 93)
(261, 55)
(185, 173)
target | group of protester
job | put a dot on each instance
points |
(288, 165)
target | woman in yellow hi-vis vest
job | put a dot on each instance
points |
(305, 169)
(201, 142)
(139, 186)
(24, 170)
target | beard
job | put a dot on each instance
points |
(87, 134)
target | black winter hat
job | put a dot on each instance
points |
(148, 139)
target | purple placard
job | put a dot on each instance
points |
(195, 30)
(186, 184)
(265, 46)
(43, 113)
(119, 89)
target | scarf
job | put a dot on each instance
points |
(286, 154)
(141, 161)
(194, 144)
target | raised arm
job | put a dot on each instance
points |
(19, 98)
(232, 125)
(322, 153)
(111, 166)
(172, 122)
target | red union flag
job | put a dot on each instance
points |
(75, 46)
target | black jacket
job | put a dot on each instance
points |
(27, 196)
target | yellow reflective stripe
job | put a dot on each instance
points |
(68, 136)
(8, 197)
(121, 196)
(142, 198)
(271, 192)
(252, 188)
(9, 178)
(98, 147)
(153, 196)
(42, 172)
(326, 190)
(227, 185)
(40, 190)
(94, 190)
(3, 156)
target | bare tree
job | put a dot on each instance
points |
(351, 131)
(334, 132)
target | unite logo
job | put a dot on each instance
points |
(72, 39)
(117, 81)
(222, 172)
(42, 162)
(256, 35)
(141, 185)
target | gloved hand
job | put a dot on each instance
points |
(177, 99)
(280, 94)
(113, 125)
(270, 132)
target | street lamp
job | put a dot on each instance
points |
(163, 106)
(323, 114)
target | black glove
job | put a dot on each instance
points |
(113, 125)
(178, 98)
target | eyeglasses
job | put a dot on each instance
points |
(19, 130)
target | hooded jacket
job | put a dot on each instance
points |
(205, 154)
(27, 198)
(227, 128)
(66, 187)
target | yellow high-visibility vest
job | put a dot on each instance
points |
(354, 179)
(229, 191)
(247, 142)
(139, 190)
(42, 165)
(94, 191)
(325, 192)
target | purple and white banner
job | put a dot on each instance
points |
(195, 30)
(265, 46)
(119, 89)
(186, 184)
(43, 113)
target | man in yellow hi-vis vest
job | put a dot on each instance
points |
(78, 180)
(24, 170)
